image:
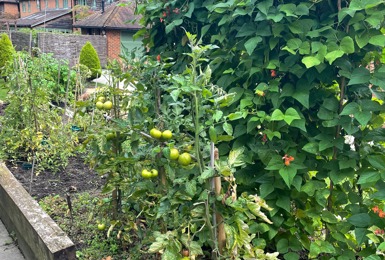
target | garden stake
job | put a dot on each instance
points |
(216, 186)
(212, 164)
(33, 167)
(67, 87)
(58, 82)
(69, 203)
(93, 110)
(30, 43)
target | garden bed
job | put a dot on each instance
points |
(38, 236)
(52, 190)
(75, 178)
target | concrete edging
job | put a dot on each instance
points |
(38, 236)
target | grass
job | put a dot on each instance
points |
(3, 90)
(3, 93)
(88, 210)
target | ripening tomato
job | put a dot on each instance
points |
(167, 135)
(184, 159)
(155, 133)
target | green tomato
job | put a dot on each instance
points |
(101, 99)
(154, 173)
(155, 133)
(110, 136)
(101, 226)
(184, 159)
(107, 105)
(167, 135)
(99, 105)
(174, 154)
(146, 174)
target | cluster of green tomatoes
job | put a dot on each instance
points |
(146, 174)
(101, 103)
(183, 159)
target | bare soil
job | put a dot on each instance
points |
(77, 177)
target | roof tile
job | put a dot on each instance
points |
(115, 16)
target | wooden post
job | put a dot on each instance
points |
(30, 42)
(216, 186)
(219, 219)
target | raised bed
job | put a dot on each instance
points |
(38, 236)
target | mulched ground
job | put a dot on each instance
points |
(77, 177)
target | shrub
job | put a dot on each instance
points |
(6, 49)
(89, 57)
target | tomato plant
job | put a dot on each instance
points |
(167, 113)
(42, 136)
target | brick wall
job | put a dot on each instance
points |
(20, 40)
(68, 46)
(30, 8)
(11, 9)
(63, 46)
(51, 5)
(113, 43)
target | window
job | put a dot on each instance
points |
(38, 4)
(65, 3)
(23, 7)
(57, 4)
(45, 4)
(29, 6)
(82, 2)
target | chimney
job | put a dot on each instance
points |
(102, 6)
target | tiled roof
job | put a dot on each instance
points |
(9, 1)
(41, 17)
(115, 16)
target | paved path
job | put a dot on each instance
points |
(8, 249)
(107, 79)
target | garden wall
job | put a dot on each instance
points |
(68, 46)
(63, 46)
(21, 41)
(38, 236)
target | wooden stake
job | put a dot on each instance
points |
(216, 186)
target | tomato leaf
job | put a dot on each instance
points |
(228, 128)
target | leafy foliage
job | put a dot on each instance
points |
(177, 207)
(89, 57)
(42, 137)
(307, 85)
(6, 50)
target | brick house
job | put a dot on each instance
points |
(96, 17)
(52, 15)
(28, 7)
(113, 22)
(9, 12)
(55, 15)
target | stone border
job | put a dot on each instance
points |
(38, 236)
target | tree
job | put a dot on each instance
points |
(89, 57)
(6, 50)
